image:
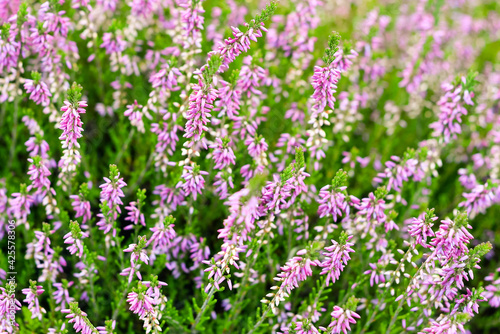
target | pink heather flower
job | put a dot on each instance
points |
(130, 271)
(9, 51)
(111, 194)
(140, 303)
(451, 111)
(492, 293)
(40, 40)
(397, 172)
(373, 208)
(39, 92)
(342, 61)
(467, 180)
(332, 202)
(71, 124)
(405, 327)
(251, 77)
(229, 100)
(9, 305)
(452, 238)
(452, 279)
(275, 194)
(222, 183)
(74, 239)
(342, 320)
(79, 319)
(58, 330)
(50, 266)
(111, 191)
(32, 125)
(420, 228)
(248, 171)
(55, 22)
(192, 23)
(146, 300)
(41, 245)
(135, 112)
(113, 43)
(336, 258)
(193, 181)
(166, 130)
(444, 325)
(85, 272)
(80, 3)
(223, 154)
(469, 301)
(134, 215)
(199, 252)
(163, 234)
(351, 159)
(219, 269)
(296, 270)
(167, 133)
(256, 146)
(142, 8)
(232, 47)
(108, 329)
(290, 142)
(154, 287)
(303, 327)
(165, 79)
(377, 272)
(61, 295)
(38, 173)
(246, 125)
(170, 198)
(81, 207)
(297, 183)
(324, 82)
(32, 294)
(212, 33)
(138, 253)
(294, 40)
(479, 199)
(295, 114)
(201, 103)
(19, 206)
(241, 219)
(37, 146)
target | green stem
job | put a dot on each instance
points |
(92, 295)
(261, 320)
(125, 146)
(320, 292)
(2, 115)
(117, 308)
(235, 311)
(387, 289)
(141, 176)
(173, 321)
(203, 309)
(51, 303)
(395, 316)
(14, 126)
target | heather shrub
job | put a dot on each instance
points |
(200, 166)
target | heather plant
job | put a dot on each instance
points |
(201, 166)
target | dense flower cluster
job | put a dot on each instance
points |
(202, 166)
